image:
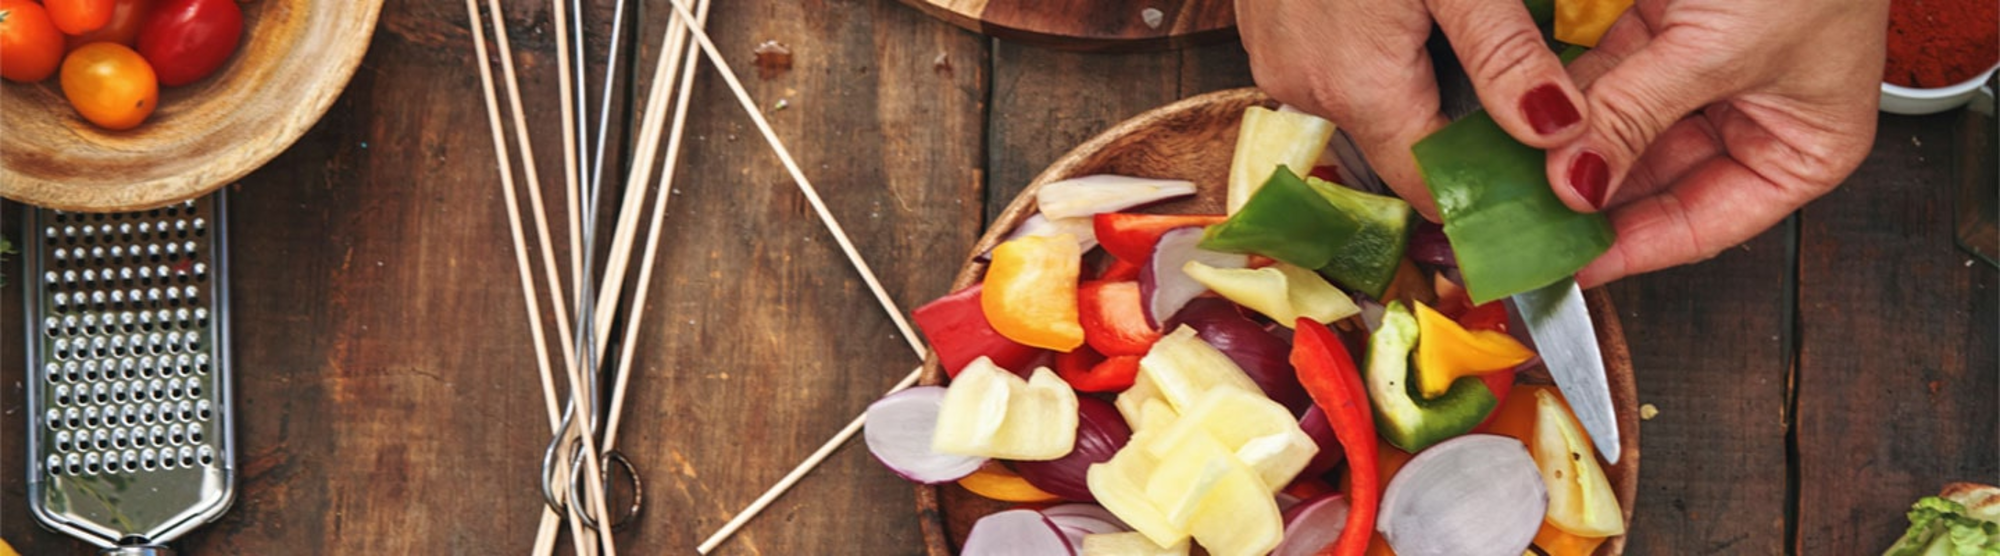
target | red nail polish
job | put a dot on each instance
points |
(1548, 109)
(1589, 176)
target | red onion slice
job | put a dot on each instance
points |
(1016, 532)
(1312, 525)
(1100, 432)
(899, 432)
(1162, 283)
(1258, 351)
(1475, 495)
(1316, 427)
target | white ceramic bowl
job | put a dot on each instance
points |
(1897, 99)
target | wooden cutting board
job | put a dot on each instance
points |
(1096, 25)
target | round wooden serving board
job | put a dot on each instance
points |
(294, 59)
(1194, 139)
(1097, 25)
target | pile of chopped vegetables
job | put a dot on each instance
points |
(1308, 374)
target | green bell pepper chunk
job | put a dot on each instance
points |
(1354, 238)
(1510, 232)
(1404, 417)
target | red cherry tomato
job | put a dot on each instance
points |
(126, 16)
(110, 85)
(186, 40)
(30, 45)
(76, 17)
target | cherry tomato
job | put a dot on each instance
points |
(110, 85)
(126, 16)
(76, 17)
(30, 45)
(188, 39)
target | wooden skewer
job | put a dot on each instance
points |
(549, 520)
(804, 467)
(653, 233)
(805, 186)
(840, 235)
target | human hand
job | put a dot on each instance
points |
(1362, 64)
(1711, 120)
(1785, 92)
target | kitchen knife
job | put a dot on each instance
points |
(1567, 340)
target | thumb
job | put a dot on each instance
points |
(1648, 91)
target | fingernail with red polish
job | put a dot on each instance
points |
(1589, 176)
(1548, 109)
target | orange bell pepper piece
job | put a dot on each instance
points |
(1030, 291)
(1583, 22)
(997, 482)
(1557, 542)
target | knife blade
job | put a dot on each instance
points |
(1567, 340)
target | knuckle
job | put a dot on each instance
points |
(1506, 53)
(1620, 116)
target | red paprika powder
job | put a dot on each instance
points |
(1936, 43)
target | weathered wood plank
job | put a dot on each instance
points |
(1898, 371)
(1712, 353)
(760, 341)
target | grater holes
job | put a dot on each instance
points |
(130, 415)
(174, 390)
(101, 393)
(62, 395)
(157, 435)
(102, 439)
(194, 435)
(90, 369)
(53, 371)
(147, 414)
(187, 414)
(54, 418)
(72, 418)
(167, 458)
(187, 456)
(148, 459)
(90, 417)
(120, 439)
(131, 461)
(74, 463)
(53, 465)
(207, 455)
(72, 371)
(60, 349)
(156, 390)
(202, 410)
(90, 463)
(62, 441)
(176, 435)
(201, 363)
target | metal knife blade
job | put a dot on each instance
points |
(1561, 327)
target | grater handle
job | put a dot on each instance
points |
(137, 550)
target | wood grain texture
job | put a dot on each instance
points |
(1898, 371)
(1711, 352)
(760, 341)
(295, 57)
(1091, 25)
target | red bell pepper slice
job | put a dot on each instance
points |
(1088, 371)
(1131, 236)
(957, 328)
(1114, 320)
(1120, 270)
(1330, 375)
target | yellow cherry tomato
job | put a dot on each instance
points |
(110, 85)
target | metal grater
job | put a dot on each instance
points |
(128, 382)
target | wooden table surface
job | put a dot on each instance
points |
(1811, 384)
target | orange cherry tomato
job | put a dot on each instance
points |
(30, 45)
(76, 17)
(110, 85)
(126, 18)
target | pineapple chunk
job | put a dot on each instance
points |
(1256, 430)
(1268, 139)
(990, 412)
(1181, 368)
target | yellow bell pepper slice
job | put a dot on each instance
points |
(1280, 291)
(1447, 352)
(1580, 498)
(1583, 22)
(999, 483)
(1030, 291)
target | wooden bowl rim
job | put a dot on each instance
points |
(158, 192)
(1610, 333)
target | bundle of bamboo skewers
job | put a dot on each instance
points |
(584, 435)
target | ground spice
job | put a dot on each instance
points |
(1936, 43)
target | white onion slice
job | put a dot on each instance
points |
(1076, 520)
(1081, 228)
(1312, 525)
(1162, 283)
(1016, 532)
(1088, 195)
(899, 432)
(1475, 495)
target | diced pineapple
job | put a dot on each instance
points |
(1120, 486)
(1181, 368)
(1130, 543)
(990, 412)
(1251, 427)
(1269, 138)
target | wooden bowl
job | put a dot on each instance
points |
(1091, 25)
(1194, 139)
(295, 57)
